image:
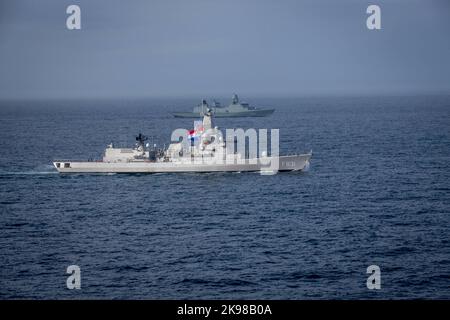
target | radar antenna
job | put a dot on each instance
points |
(141, 139)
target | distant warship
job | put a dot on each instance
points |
(205, 156)
(235, 109)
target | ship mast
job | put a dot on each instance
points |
(207, 120)
(140, 142)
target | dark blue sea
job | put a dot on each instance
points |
(377, 193)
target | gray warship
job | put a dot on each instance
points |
(235, 109)
(207, 155)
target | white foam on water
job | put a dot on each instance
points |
(4, 173)
(39, 170)
(307, 166)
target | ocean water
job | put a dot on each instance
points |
(377, 193)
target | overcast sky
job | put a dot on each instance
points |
(217, 47)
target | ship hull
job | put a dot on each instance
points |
(285, 163)
(251, 113)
